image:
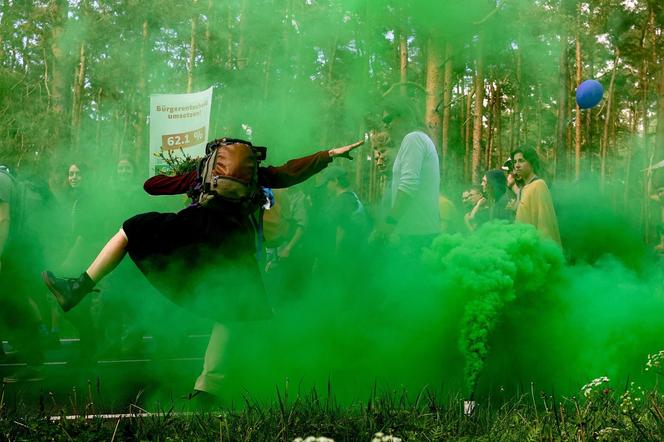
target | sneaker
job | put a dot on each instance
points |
(68, 291)
(24, 374)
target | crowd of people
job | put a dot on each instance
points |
(53, 218)
(62, 224)
(514, 193)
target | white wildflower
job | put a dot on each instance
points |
(381, 437)
(313, 439)
(630, 398)
(594, 385)
(608, 433)
(655, 360)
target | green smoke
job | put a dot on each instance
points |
(498, 308)
(492, 269)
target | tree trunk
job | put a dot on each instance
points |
(210, 18)
(332, 127)
(403, 62)
(523, 130)
(512, 131)
(229, 41)
(192, 53)
(644, 103)
(490, 122)
(562, 123)
(3, 19)
(466, 123)
(659, 137)
(79, 76)
(477, 117)
(518, 101)
(538, 142)
(59, 67)
(633, 122)
(604, 142)
(569, 136)
(140, 144)
(645, 207)
(590, 133)
(241, 55)
(98, 118)
(498, 116)
(447, 95)
(578, 123)
(432, 117)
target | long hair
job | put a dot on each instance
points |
(530, 155)
(496, 184)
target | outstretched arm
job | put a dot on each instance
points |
(344, 151)
(170, 185)
(300, 169)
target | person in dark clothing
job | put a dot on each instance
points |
(75, 239)
(201, 258)
(23, 206)
(496, 198)
(478, 214)
(124, 328)
(346, 214)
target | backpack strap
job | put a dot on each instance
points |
(257, 221)
(195, 191)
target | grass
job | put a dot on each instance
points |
(599, 414)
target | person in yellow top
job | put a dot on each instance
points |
(448, 214)
(534, 203)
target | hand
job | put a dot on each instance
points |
(511, 181)
(481, 202)
(283, 252)
(382, 233)
(345, 151)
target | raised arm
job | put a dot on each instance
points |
(300, 169)
(294, 171)
(170, 185)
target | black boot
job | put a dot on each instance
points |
(68, 291)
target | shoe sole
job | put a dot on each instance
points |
(51, 288)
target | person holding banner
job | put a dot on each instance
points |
(203, 257)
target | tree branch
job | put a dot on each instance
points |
(488, 16)
(404, 83)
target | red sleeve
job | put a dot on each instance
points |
(293, 172)
(170, 185)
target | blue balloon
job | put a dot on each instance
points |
(589, 94)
